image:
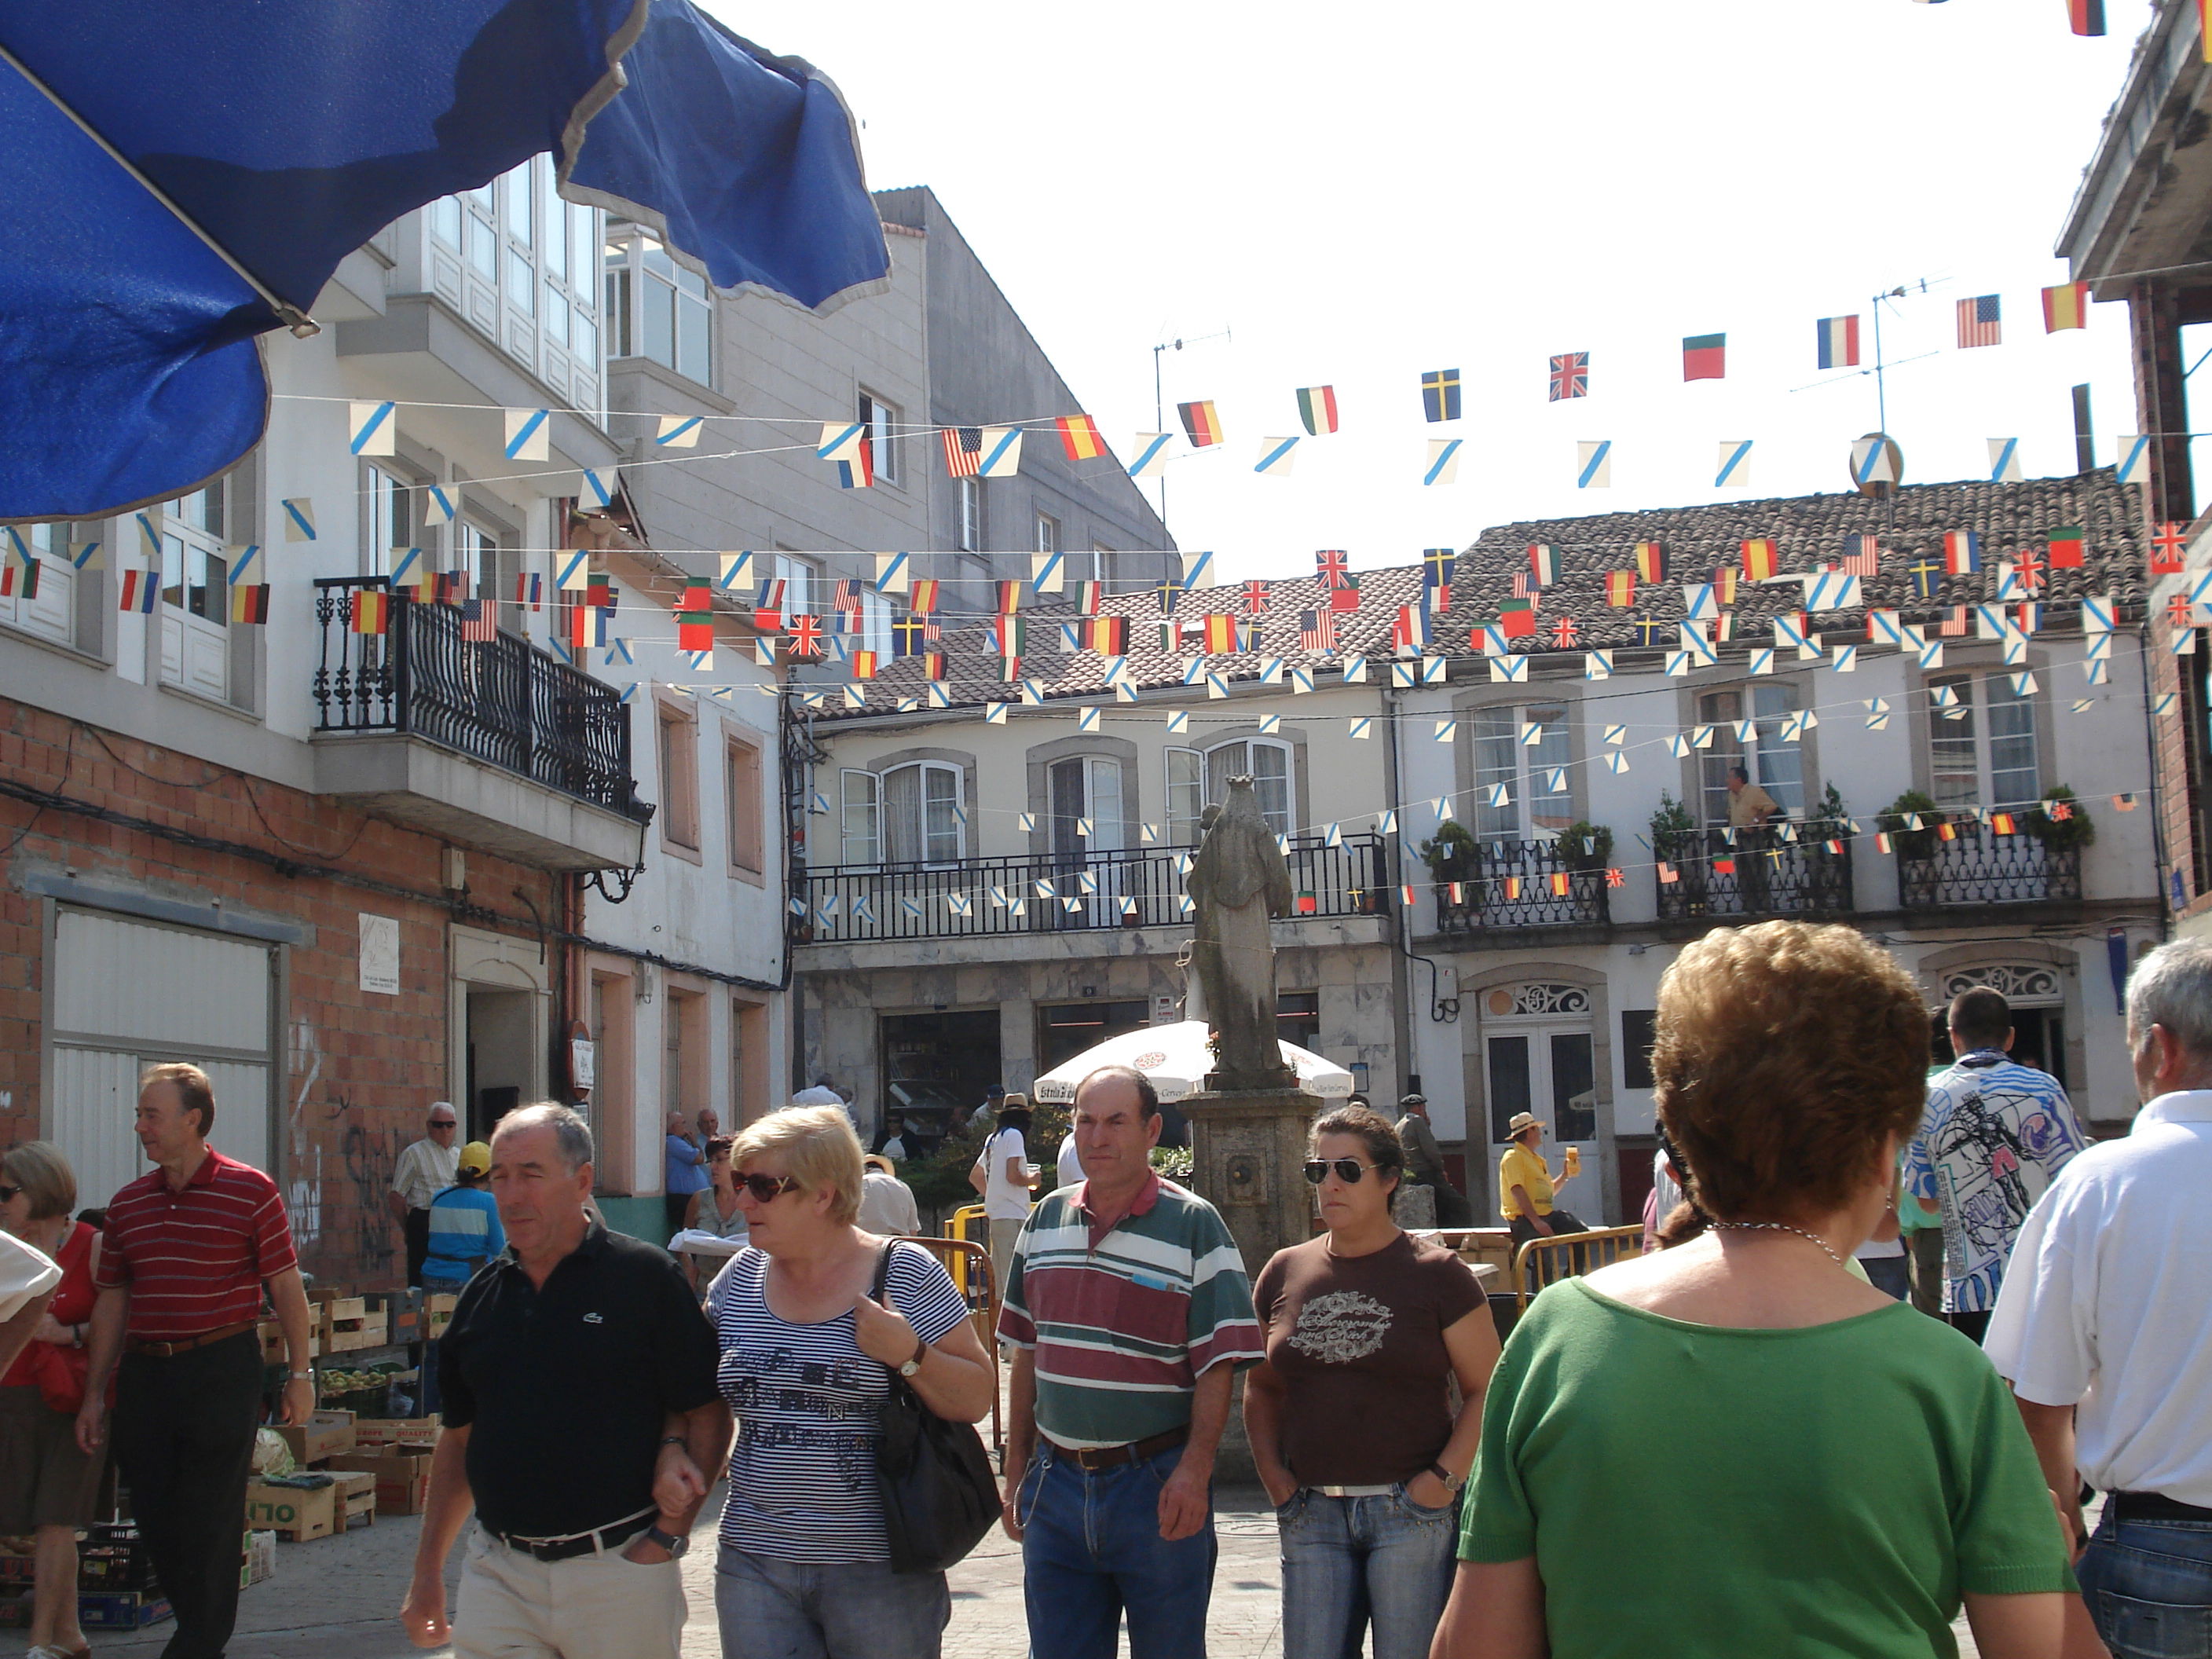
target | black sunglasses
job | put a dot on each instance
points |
(9, 1194)
(1348, 1170)
(766, 1189)
(443, 1124)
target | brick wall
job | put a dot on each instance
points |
(356, 1069)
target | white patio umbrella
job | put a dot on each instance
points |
(1177, 1060)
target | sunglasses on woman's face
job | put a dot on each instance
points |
(766, 1189)
(1348, 1170)
(9, 1194)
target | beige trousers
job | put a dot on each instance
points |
(513, 1606)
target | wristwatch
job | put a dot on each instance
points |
(920, 1352)
(674, 1543)
(1452, 1482)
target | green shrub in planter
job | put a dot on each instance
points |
(1586, 846)
(2067, 834)
(1671, 820)
(1911, 844)
(1450, 854)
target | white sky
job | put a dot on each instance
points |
(1362, 196)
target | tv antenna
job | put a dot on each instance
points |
(1159, 404)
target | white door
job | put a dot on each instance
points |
(129, 994)
(1539, 1056)
(1086, 837)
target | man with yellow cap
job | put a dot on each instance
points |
(464, 1230)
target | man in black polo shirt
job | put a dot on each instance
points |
(575, 1363)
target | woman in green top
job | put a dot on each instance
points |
(1738, 1448)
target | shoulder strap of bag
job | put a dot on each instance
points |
(883, 1272)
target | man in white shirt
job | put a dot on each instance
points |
(424, 1169)
(2102, 1325)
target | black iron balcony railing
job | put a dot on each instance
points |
(1758, 873)
(498, 700)
(1981, 867)
(1520, 883)
(853, 903)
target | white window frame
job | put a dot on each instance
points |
(1518, 820)
(970, 537)
(52, 614)
(1758, 757)
(798, 577)
(876, 624)
(641, 272)
(195, 609)
(1047, 533)
(1186, 794)
(882, 418)
(1977, 727)
(1288, 812)
(860, 817)
(387, 496)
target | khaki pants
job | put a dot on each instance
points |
(1004, 1233)
(513, 1606)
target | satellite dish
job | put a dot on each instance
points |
(1877, 465)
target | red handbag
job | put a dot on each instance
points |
(61, 1371)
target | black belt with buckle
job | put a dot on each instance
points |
(589, 1543)
(1091, 1459)
(2153, 1506)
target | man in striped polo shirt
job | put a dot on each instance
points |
(188, 1249)
(1129, 1312)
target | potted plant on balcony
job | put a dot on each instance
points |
(1671, 821)
(1895, 821)
(1451, 853)
(1586, 846)
(1832, 821)
(2061, 822)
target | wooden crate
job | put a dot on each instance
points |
(406, 1433)
(438, 1313)
(324, 1434)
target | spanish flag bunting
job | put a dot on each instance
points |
(249, 603)
(1512, 887)
(1317, 408)
(2067, 547)
(1761, 560)
(864, 665)
(932, 665)
(2000, 824)
(372, 611)
(1724, 584)
(1200, 421)
(1621, 589)
(1947, 831)
(2066, 305)
(1079, 436)
(1220, 634)
(921, 597)
(1650, 562)
(1561, 884)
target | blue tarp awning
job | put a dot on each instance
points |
(289, 133)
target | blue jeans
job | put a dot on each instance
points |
(1092, 1551)
(1350, 1563)
(777, 1609)
(2149, 1584)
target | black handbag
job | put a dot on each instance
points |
(938, 1492)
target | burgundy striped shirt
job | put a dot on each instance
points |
(194, 1260)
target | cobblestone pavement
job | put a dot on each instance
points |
(338, 1598)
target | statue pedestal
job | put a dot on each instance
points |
(1247, 1147)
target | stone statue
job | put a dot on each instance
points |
(1237, 881)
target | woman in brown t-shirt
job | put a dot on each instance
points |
(1351, 1418)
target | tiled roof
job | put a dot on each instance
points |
(1808, 532)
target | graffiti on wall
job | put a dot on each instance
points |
(354, 1227)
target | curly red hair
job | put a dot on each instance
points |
(1786, 1059)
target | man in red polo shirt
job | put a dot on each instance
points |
(188, 1249)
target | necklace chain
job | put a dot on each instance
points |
(1781, 1227)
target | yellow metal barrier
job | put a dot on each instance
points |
(1541, 1261)
(969, 1263)
(968, 1224)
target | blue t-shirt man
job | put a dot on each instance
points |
(464, 1230)
(687, 1168)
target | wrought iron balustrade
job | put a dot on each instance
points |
(500, 700)
(1981, 867)
(1521, 883)
(1757, 872)
(1055, 893)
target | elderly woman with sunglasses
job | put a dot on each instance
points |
(1352, 1420)
(809, 1344)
